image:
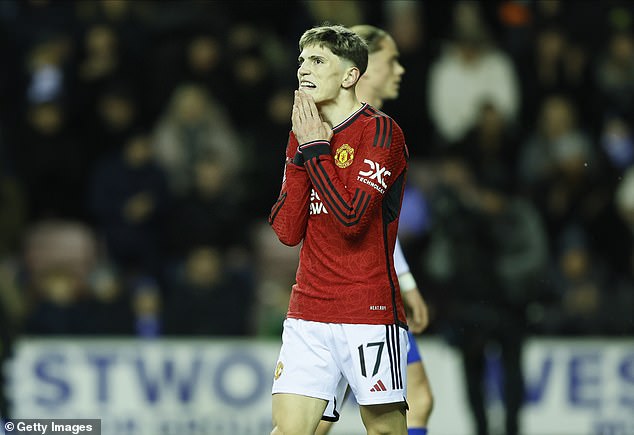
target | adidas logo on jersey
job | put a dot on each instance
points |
(379, 386)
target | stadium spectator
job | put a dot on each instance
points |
(48, 69)
(559, 169)
(619, 252)
(615, 74)
(557, 65)
(114, 309)
(58, 259)
(193, 126)
(617, 143)
(113, 118)
(101, 59)
(129, 198)
(50, 161)
(209, 295)
(147, 307)
(490, 150)
(199, 57)
(581, 282)
(488, 250)
(203, 214)
(264, 170)
(205, 64)
(468, 72)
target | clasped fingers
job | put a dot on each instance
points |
(307, 123)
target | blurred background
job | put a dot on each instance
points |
(142, 144)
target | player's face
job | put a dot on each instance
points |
(320, 73)
(384, 70)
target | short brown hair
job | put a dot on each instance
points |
(371, 35)
(342, 41)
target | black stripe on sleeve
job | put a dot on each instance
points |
(277, 207)
(383, 131)
(377, 131)
(347, 214)
(388, 141)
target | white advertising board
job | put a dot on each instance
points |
(222, 387)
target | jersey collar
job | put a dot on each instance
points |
(350, 119)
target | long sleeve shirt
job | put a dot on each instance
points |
(343, 205)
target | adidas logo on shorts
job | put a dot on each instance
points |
(378, 387)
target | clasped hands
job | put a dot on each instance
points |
(307, 123)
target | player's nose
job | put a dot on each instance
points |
(302, 69)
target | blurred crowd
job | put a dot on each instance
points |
(142, 144)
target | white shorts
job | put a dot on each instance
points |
(321, 359)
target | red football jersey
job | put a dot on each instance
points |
(344, 204)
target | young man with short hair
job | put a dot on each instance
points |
(341, 197)
(381, 82)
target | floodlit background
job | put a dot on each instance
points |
(142, 146)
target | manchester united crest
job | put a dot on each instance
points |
(344, 156)
(278, 370)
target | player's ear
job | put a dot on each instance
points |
(351, 77)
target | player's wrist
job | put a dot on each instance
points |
(298, 158)
(314, 148)
(406, 282)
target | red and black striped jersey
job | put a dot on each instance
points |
(344, 205)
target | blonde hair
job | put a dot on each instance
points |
(371, 35)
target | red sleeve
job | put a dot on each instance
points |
(381, 158)
(289, 214)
